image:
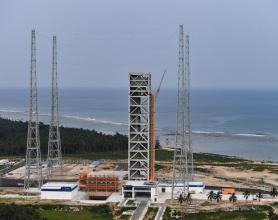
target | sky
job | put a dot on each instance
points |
(233, 43)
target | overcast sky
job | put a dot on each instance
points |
(234, 43)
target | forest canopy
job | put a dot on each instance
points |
(13, 136)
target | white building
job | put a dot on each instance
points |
(193, 187)
(59, 190)
(135, 189)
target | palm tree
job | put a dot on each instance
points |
(218, 197)
(246, 194)
(211, 195)
(188, 198)
(181, 198)
(273, 192)
(233, 198)
(270, 214)
(259, 196)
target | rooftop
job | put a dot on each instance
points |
(59, 184)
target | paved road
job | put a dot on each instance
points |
(160, 213)
(138, 212)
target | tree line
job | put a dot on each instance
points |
(13, 137)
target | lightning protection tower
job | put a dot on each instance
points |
(139, 126)
(33, 168)
(183, 156)
(54, 156)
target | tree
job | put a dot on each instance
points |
(246, 194)
(16, 212)
(233, 198)
(181, 198)
(218, 197)
(188, 198)
(273, 193)
(75, 140)
(211, 195)
(157, 144)
(259, 195)
(270, 214)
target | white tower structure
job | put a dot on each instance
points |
(183, 155)
(33, 167)
(54, 155)
(139, 126)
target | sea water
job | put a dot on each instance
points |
(231, 122)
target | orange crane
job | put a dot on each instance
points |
(153, 98)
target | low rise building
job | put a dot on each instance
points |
(59, 190)
(193, 187)
(135, 189)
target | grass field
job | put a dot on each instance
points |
(164, 155)
(81, 215)
(238, 215)
(260, 213)
(151, 213)
(54, 212)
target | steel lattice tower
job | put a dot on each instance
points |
(33, 167)
(54, 156)
(183, 156)
(139, 126)
(188, 95)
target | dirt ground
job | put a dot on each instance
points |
(229, 176)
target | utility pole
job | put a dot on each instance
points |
(182, 170)
(54, 156)
(33, 167)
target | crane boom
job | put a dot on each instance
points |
(158, 89)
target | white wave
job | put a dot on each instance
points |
(250, 135)
(12, 111)
(93, 119)
(208, 132)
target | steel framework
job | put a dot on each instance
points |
(33, 167)
(183, 156)
(139, 126)
(54, 156)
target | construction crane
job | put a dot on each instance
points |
(153, 98)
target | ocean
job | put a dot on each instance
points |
(240, 123)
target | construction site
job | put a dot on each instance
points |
(139, 178)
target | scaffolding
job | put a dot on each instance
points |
(105, 183)
(139, 126)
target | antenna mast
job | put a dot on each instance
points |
(183, 157)
(54, 156)
(33, 168)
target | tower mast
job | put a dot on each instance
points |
(33, 168)
(54, 156)
(189, 128)
(183, 157)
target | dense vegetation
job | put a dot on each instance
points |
(54, 212)
(219, 215)
(13, 136)
(100, 212)
(15, 212)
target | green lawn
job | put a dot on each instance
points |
(151, 213)
(82, 215)
(259, 214)
(165, 155)
(237, 215)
